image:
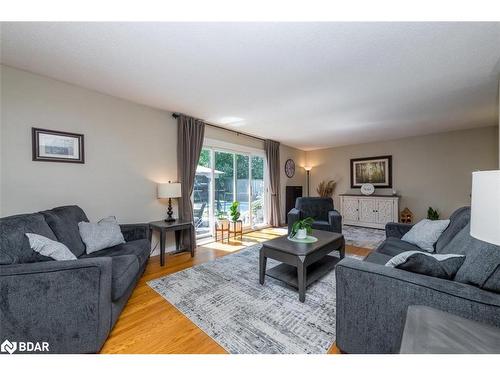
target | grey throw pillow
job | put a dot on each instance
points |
(444, 266)
(101, 235)
(49, 248)
(425, 233)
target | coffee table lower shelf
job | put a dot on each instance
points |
(288, 274)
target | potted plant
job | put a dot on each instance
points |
(432, 214)
(221, 218)
(302, 228)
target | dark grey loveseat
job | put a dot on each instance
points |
(320, 209)
(72, 304)
(372, 299)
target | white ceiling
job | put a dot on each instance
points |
(308, 85)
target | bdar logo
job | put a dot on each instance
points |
(9, 347)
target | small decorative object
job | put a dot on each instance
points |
(406, 216)
(394, 192)
(52, 145)
(234, 212)
(325, 188)
(302, 228)
(376, 170)
(169, 190)
(367, 189)
(432, 214)
(290, 168)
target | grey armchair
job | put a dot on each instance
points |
(320, 209)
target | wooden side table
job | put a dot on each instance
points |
(222, 227)
(237, 228)
(177, 226)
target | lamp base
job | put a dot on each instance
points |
(170, 212)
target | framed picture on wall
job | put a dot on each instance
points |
(52, 145)
(375, 170)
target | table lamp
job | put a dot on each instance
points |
(169, 190)
(485, 206)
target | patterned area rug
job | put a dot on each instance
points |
(224, 298)
(368, 238)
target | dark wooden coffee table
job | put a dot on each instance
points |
(302, 263)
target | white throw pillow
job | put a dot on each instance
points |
(101, 235)
(425, 233)
(49, 248)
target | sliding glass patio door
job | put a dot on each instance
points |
(222, 177)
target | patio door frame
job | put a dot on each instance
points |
(214, 145)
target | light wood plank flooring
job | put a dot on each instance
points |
(150, 324)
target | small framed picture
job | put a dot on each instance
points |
(52, 145)
(375, 170)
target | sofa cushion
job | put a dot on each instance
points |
(394, 246)
(425, 233)
(377, 258)
(443, 266)
(64, 223)
(482, 263)
(458, 220)
(139, 248)
(124, 270)
(461, 243)
(321, 225)
(14, 245)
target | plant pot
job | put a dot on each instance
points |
(301, 234)
(223, 223)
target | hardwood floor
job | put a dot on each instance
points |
(150, 324)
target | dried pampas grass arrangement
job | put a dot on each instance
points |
(325, 188)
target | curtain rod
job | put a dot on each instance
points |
(175, 115)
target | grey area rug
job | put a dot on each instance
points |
(224, 298)
(368, 238)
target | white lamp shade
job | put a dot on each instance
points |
(169, 190)
(485, 206)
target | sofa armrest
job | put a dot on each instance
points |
(397, 230)
(335, 220)
(294, 215)
(64, 303)
(372, 301)
(132, 232)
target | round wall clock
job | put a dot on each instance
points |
(290, 168)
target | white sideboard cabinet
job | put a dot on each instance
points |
(373, 211)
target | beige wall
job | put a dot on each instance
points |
(433, 170)
(299, 179)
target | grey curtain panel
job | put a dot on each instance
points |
(190, 135)
(272, 149)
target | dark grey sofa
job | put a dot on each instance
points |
(73, 304)
(320, 209)
(372, 299)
